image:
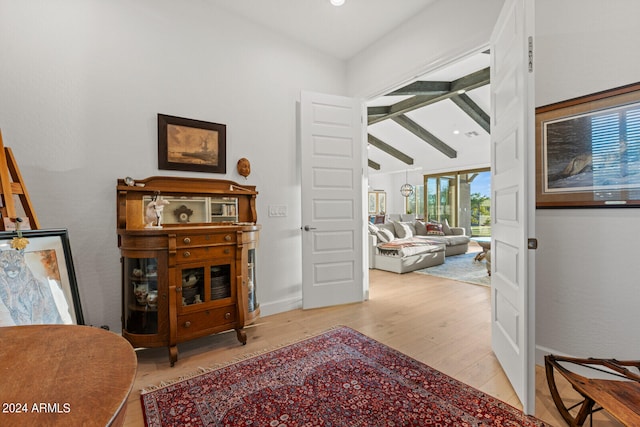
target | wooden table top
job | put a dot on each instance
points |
(66, 375)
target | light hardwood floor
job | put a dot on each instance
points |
(443, 323)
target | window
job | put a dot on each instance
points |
(463, 198)
(414, 204)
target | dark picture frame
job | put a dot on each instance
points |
(38, 285)
(191, 145)
(588, 151)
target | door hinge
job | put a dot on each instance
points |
(531, 54)
(532, 244)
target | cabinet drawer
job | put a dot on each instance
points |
(206, 319)
(185, 240)
(199, 254)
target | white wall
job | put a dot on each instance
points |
(588, 295)
(391, 183)
(81, 85)
(444, 31)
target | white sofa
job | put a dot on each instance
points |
(428, 256)
(425, 248)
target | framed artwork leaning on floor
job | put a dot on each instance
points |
(38, 283)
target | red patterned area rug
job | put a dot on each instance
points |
(339, 378)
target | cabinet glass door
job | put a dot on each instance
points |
(193, 286)
(220, 281)
(141, 295)
(251, 281)
(205, 284)
(224, 209)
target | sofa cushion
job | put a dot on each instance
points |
(457, 240)
(408, 247)
(404, 229)
(385, 235)
(446, 240)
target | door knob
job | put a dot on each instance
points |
(307, 228)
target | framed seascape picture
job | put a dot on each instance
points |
(588, 150)
(191, 145)
(38, 284)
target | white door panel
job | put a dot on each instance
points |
(332, 211)
(513, 337)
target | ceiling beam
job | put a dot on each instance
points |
(381, 145)
(425, 135)
(378, 111)
(472, 81)
(423, 88)
(473, 110)
(373, 165)
(466, 83)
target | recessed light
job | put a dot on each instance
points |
(461, 91)
(456, 131)
(337, 2)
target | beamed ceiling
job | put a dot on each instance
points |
(438, 122)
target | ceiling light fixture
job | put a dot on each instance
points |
(337, 2)
(407, 189)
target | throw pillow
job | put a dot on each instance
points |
(403, 230)
(435, 229)
(445, 228)
(372, 228)
(388, 226)
(421, 228)
(385, 235)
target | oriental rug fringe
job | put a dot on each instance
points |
(339, 378)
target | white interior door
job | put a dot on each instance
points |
(512, 207)
(332, 209)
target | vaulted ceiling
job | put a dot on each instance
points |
(438, 122)
(423, 125)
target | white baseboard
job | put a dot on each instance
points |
(541, 352)
(275, 307)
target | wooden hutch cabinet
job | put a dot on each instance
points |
(195, 274)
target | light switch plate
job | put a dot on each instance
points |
(278, 210)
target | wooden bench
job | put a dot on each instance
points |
(616, 390)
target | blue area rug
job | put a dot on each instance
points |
(461, 268)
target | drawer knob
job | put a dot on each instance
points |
(187, 240)
(227, 316)
(186, 254)
(227, 237)
(227, 251)
(187, 324)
